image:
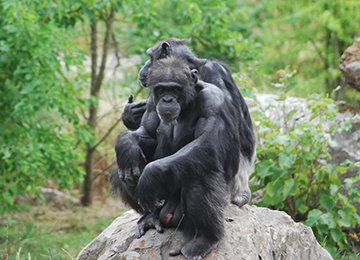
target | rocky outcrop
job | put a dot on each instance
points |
(251, 233)
(350, 65)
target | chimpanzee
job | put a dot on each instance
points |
(214, 72)
(183, 159)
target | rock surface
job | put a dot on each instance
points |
(350, 65)
(251, 233)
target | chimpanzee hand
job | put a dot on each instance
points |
(150, 187)
(130, 158)
(133, 113)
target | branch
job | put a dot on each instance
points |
(107, 133)
(318, 51)
(101, 74)
(47, 13)
(97, 175)
(93, 55)
(116, 50)
(110, 111)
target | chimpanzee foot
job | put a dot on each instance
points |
(242, 198)
(147, 222)
(195, 249)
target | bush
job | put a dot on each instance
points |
(38, 104)
(293, 172)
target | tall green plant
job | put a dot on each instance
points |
(217, 28)
(38, 108)
(293, 172)
(308, 35)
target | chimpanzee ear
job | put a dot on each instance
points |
(165, 48)
(194, 75)
(184, 41)
(150, 52)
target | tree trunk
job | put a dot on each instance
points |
(96, 81)
(87, 185)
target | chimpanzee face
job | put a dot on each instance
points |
(169, 97)
(172, 86)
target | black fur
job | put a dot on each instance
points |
(216, 73)
(188, 161)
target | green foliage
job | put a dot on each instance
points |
(308, 35)
(217, 29)
(46, 232)
(38, 109)
(294, 172)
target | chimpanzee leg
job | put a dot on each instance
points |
(149, 221)
(242, 198)
(127, 192)
(170, 214)
(205, 207)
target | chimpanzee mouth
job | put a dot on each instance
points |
(169, 119)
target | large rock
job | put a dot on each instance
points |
(251, 233)
(350, 65)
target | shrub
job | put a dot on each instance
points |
(293, 170)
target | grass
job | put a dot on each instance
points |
(47, 232)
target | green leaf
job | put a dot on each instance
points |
(302, 208)
(345, 220)
(350, 182)
(286, 160)
(289, 187)
(328, 219)
(337, 234)
(277, 172)
(313, 117)
(263, 130)
(344, 200)
(290, 86)
(254, 188)
(332, 108)
(327, 202)
(334, 189)
(274, 188)
(331, 168)
(8, 198)
(263, 168)
(356, 217)
(297, 131)
(347, 163)
(313, 216)
(291, 113)
(282, 139)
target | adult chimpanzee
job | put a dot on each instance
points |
(214, 72)
(183, 160)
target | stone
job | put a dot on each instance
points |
(350, 65)
(251, 233)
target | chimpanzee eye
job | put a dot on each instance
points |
(176, 89)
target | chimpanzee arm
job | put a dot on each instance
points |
(135, 148)
(199, 156)
(183, 165)
(133, 113)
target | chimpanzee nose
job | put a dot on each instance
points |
(168, 100)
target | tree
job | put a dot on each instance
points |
(37, 108)
(310, 36)
(106, 15)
